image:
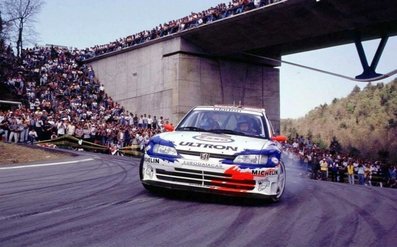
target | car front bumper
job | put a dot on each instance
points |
(211, 177)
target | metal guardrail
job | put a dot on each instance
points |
(9, 102)
(71, 142)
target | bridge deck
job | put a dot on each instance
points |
(293, 26)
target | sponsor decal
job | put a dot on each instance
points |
(214, 138)
(202, 164)
(209, 146)
(235, 173)
(239, 174)
(229, 109)
(152, 160)
(264, 173)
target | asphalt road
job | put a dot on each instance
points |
(99, 201)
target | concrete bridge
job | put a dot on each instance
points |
(219, 62)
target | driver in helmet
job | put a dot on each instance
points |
(244, 125)
(211, 121)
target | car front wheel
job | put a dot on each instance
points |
(282, 177)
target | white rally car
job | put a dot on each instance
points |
(217, 149)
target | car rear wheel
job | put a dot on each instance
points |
(282, 177)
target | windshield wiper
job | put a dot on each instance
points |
(190, 128)
(217, 131)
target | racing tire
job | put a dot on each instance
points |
(280, 184)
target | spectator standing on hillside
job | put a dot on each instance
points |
(367, 174)
(120, 137)
(342, 173)
(393, 176)
(24, 127)
(131, 119)
(79, 132)
(324, 169)
(70, 128)
(168, 127)
(360, 173)
(127, 137)
(86, 132)
(350, 173)
(334, 170)
(61, 128)
(330, 162)
(13, 130)
(47, 130)
(32, 138)
(145, 121)
(39, 127)
(161, 123)
(4, 129)
(135, 119)
(140, 122)
(315, 167)
(101, 89)
(155, 123)
(149, 122)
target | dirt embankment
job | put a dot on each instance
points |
(18, 154)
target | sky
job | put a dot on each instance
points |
(85, 23)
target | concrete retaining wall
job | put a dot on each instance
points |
(168, 78)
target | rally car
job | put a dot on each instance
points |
(217, 149)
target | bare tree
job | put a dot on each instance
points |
(5, 27)
(1, 35)
(21, 14)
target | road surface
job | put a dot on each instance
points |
(98, 201)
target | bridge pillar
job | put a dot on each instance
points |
(169, 78)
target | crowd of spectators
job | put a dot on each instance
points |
(331, 165)
(61, 97)
(221, 11)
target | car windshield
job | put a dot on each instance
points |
(225, 122)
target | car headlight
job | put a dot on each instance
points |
(251, 159)
(164, 150)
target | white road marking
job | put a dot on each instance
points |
(46, 164)
(89, 207)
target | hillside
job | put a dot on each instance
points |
(364, 122)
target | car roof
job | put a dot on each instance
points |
(244, 109)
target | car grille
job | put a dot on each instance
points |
(212, 155)
(204, 178)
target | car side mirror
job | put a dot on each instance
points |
(279, 138)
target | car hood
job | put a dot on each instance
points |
(213, 143)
